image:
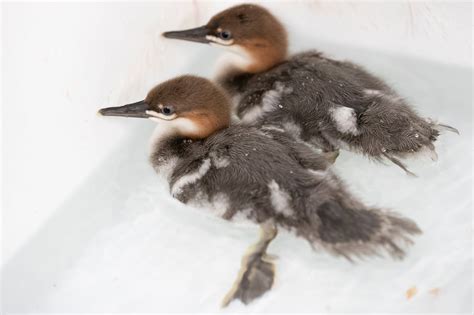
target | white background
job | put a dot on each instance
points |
(61, 62)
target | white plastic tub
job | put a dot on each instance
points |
(88, 227)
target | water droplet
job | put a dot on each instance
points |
(255, 149)
(417, 135)
(384, 150)
(279, 105)
(246, 154)
(341, 85)
(291, 172)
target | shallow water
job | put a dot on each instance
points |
(121, 243)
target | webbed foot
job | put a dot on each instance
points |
(257, 271)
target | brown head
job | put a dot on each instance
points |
(187, 106)
(249, 30)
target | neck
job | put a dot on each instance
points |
(240, 60)
(193, 127)
(164, 151)
(161, 135)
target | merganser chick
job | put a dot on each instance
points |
(257, 174)
(327, 103)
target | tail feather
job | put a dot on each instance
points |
(439, 127)
(357, 233)
(399, 164)
(446, 127)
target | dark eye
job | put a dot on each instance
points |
(225, 35)
(167, 110)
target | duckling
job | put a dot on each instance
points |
(257, 175)
(326, 103)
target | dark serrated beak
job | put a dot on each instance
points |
(193, 35)
(137, 110)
